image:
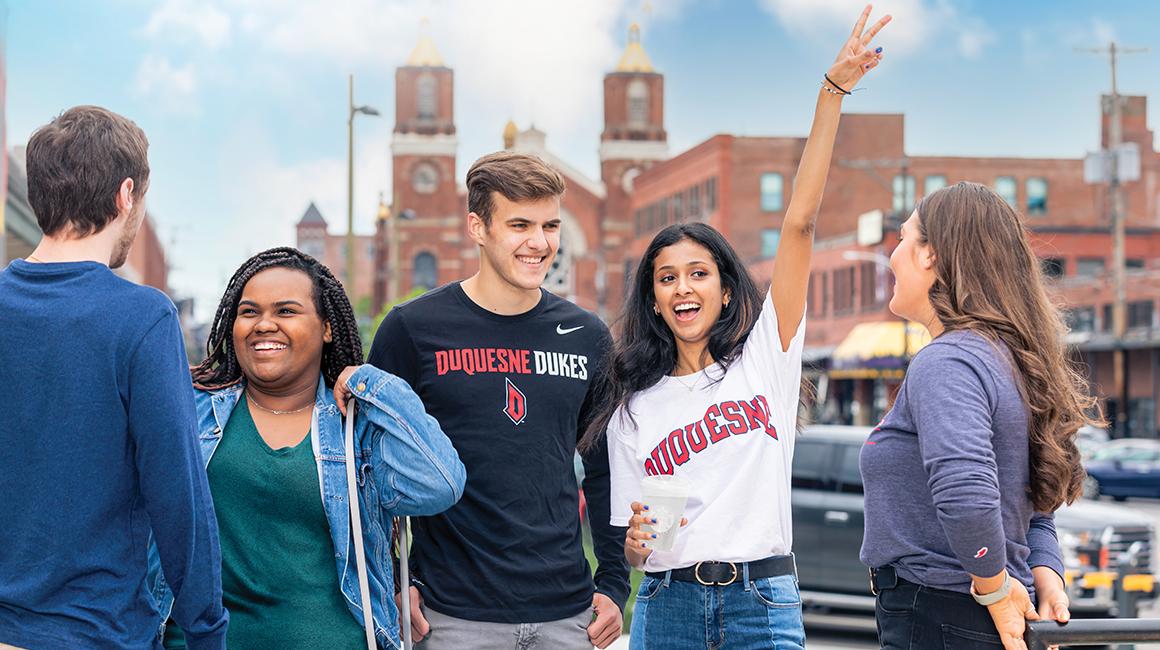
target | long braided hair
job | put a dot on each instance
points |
(221, 368)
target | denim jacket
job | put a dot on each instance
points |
(406, 465)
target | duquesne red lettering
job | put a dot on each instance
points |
(720, 422)
(483, 360)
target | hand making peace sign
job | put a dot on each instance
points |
(857, 56)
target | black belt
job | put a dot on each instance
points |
(884, 578)
(721, 574)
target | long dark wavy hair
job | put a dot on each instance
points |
(220, 367)
(988, 280)
(645, 349)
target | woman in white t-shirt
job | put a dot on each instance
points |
(704, 385)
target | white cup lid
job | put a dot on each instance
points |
(664, 485)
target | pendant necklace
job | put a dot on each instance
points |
(277, 411)
(690, 387)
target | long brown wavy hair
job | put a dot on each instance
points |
(988, 280)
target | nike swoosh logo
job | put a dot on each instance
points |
(560, 329)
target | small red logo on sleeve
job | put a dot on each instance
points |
(981, 552)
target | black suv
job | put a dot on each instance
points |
(828, 520)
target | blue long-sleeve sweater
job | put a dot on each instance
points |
(99, 443)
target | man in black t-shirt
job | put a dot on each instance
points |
(509, 371)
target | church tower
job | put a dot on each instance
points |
(425, 215)
(633, 139)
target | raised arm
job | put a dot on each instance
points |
(791, 269)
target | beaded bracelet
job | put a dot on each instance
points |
(841, 90)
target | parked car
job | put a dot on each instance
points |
(1129, 467)
(1089, 439)
(828, 519)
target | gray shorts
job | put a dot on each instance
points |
(450, 633)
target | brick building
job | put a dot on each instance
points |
(429, 207)
(146, 263)
(856, 350)
(859, 350)
(314, 240)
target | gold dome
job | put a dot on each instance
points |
(509, 134)
(384, 209)
(634, 58)
(425, 55)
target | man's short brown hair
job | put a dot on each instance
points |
(519, 177)
(76, 164)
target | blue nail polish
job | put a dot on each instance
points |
(878, 51)
(646, 507)
(643, 545)
(654, 520)
(654, 536)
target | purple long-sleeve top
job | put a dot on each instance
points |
(947, 472)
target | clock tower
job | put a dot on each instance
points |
(633, 140)
(426, 217)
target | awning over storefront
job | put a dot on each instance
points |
(879, 349)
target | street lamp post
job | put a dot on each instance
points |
(351, 112)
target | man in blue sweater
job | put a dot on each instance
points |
(97, 420)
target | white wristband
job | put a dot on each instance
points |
(986, 600)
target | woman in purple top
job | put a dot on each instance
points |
(963, 473)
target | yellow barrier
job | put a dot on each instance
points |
(1098, 579)
(1141, 582)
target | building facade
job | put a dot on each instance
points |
(857, 350)
(314, 239)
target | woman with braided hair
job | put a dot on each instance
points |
(284, 358)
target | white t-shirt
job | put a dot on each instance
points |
(732, 440)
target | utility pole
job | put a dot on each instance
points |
(1119, 299)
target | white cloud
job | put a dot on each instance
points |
(203, 22)
(1102, 32)
(527, 60)
(975, 38)
(917, 23)
(1046, 43)
(261, 198)
(159, 80)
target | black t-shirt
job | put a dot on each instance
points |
(510, 392)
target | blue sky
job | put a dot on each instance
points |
(244, 100)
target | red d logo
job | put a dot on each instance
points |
(517, 404)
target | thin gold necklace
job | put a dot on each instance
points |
(696, 381)
(33, 257)
(276, 411)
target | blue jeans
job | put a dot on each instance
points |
(748, 614)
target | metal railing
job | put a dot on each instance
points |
(1095, 631)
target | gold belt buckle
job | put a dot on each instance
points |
(700, 580)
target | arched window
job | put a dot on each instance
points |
(424, 273)
(558, 279)
(637, 103)
(425, 98)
